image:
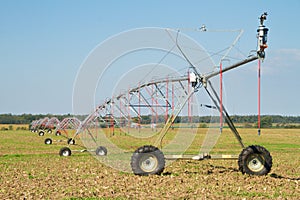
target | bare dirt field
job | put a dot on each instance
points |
(29, 169)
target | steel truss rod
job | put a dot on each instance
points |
(163, 96)
(170, 79)
(130, 106)
(183, 88)
(247, 60)
(224, 113)
(122, 114)
(150, 106)
(89, 118)
(147, 104)
(171, 119)
(91, 135)
(145, 100)
(152, 94)
(107, 106)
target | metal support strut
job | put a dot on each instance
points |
(226, 116)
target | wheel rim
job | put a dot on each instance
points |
(65, 153)
(101, 153)
(255, 162)
(70, 141)
(48, 141)
(148, 162)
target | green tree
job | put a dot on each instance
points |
(266, 122)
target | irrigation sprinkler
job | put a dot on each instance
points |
(51, 124)
(65, 129)
(33, 126)
(43, 125)
(154, 107)
(123, 113)
(39, 126)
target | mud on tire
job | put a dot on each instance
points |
(255, 160)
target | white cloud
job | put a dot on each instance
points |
(293, 54)
(280, 60)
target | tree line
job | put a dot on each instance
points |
(28, 118)
(245, 119)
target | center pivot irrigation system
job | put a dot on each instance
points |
(64, 129)
(163, 100)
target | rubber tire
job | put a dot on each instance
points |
(65, 151)
(258, 157)
(48, 141)
(58, 133)
(101, 151)
(71, 141)
(49, 131)
(147, 155)
(41, 133)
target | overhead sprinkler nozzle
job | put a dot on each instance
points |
(263, 17)
(262, 33)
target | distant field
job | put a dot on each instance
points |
(32, 170)
(14, 126)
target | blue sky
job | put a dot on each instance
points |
(44, 43)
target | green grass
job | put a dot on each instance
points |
(275, 140)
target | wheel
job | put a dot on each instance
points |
(65, 151)
(41, 133)
(147, 160)
(58, 133)
(101, 151)
(49, 131)
(48, 141)
(71, 141)
(255, 160)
